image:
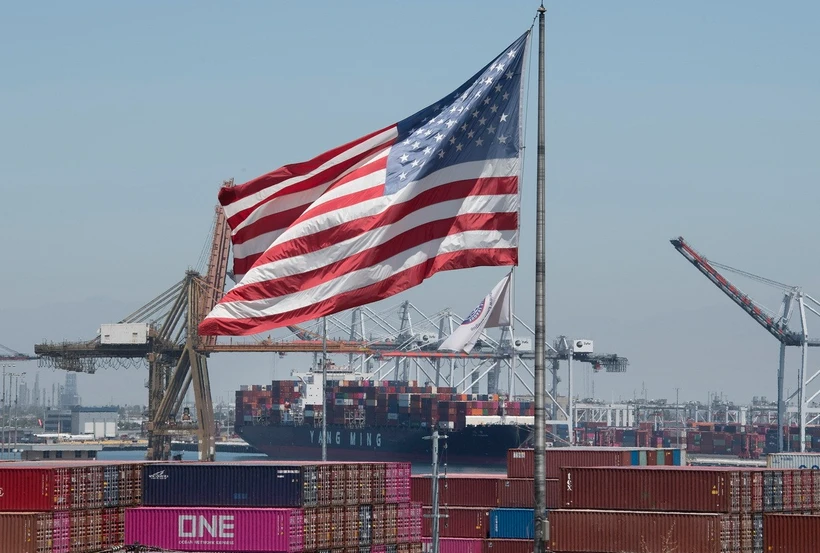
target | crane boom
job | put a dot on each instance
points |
(775, 327)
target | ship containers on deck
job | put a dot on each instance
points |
(210, 529)
(516, 524)
(573, 531)
(521, 462)
(791, 533)
(461, 522)
(457, 545)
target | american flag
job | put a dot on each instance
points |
(437, 191)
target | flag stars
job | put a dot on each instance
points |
(428, 132)
(415, 163)
(452, 140)
(479, 142)
(503, 117)
(453, 109)
(402, 176)
(441, 154)
(428, 150)
(498, 88)
(475, 114)
(459, 147)
(463, 127)
(508, 74)
(470, 134)
(499, 67)
(502, 139)
(482, 121)
(404, 158)
(450, 123)
(511, 54)
(506, 96)
(486, 101)
(491, 129)
(494, 108)
(439, 137)
(416, 145)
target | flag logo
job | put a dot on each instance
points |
(472, 317)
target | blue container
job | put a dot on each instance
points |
(512, 524)
(228, 485)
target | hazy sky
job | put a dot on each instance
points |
(120, 121)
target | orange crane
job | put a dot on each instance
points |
(775, 324)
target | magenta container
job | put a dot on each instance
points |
(215, 529)
(457, 545)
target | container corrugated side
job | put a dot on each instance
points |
(520, 493)
(793, 460)
(457, 545)
(458, 490)
(507, 546)
(26, 532)
(209, 529)
(516, 524)
(521, 462)
(29, 489)
(784, 533)
(651, 489)
(461, 522)
(223, 485)
(578, 531)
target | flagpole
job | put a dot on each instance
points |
(324, 388)
(540, 309)
(511, 376)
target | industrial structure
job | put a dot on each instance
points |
(776, 324)
(395, 343)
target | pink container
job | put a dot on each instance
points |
(205, 529)
(457, 545)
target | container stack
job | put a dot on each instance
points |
(692, 509)
(70, 507)
(277, 508)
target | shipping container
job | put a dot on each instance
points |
(507, 546)
(461, 490)
(230, 485)
(26, 533)
(516, 524)
(460, 522)
(520, 462)
(520, 492)
(683, 489)
(793, 460)
(457, 545)
(573, 531)
(209, 529)
(791, 533)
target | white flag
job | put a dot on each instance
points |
(493, 311)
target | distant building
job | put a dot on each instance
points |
(68, 393)
(99, 421)
(57, 421)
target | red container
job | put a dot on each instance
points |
(619, 531)
(520, 493)
(791, 533)
(521, 462)
(507, 546)
(27, 533)
(458, 490)
(457, 545)
(683, 489)
(461, 522)
(207, 529)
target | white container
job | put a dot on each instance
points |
(123, 334)
(793, 460)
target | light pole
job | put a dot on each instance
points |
(4, 411)
(17, 405)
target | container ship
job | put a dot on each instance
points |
(379, 421)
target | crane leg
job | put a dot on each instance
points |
(780, 405)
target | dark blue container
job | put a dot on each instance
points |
(227, 485)
(512, 524)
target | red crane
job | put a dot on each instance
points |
(776, 325)
(8, 354)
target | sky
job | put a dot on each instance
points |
(700, 119)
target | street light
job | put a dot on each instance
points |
(3, 409)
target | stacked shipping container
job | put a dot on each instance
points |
(71, 507)
(277, 507)
(626, 508)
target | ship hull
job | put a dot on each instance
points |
(474, 445)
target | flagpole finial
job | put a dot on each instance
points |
(542, 9)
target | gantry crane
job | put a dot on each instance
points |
(177, 356)
(8, 354)
(775, 324)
